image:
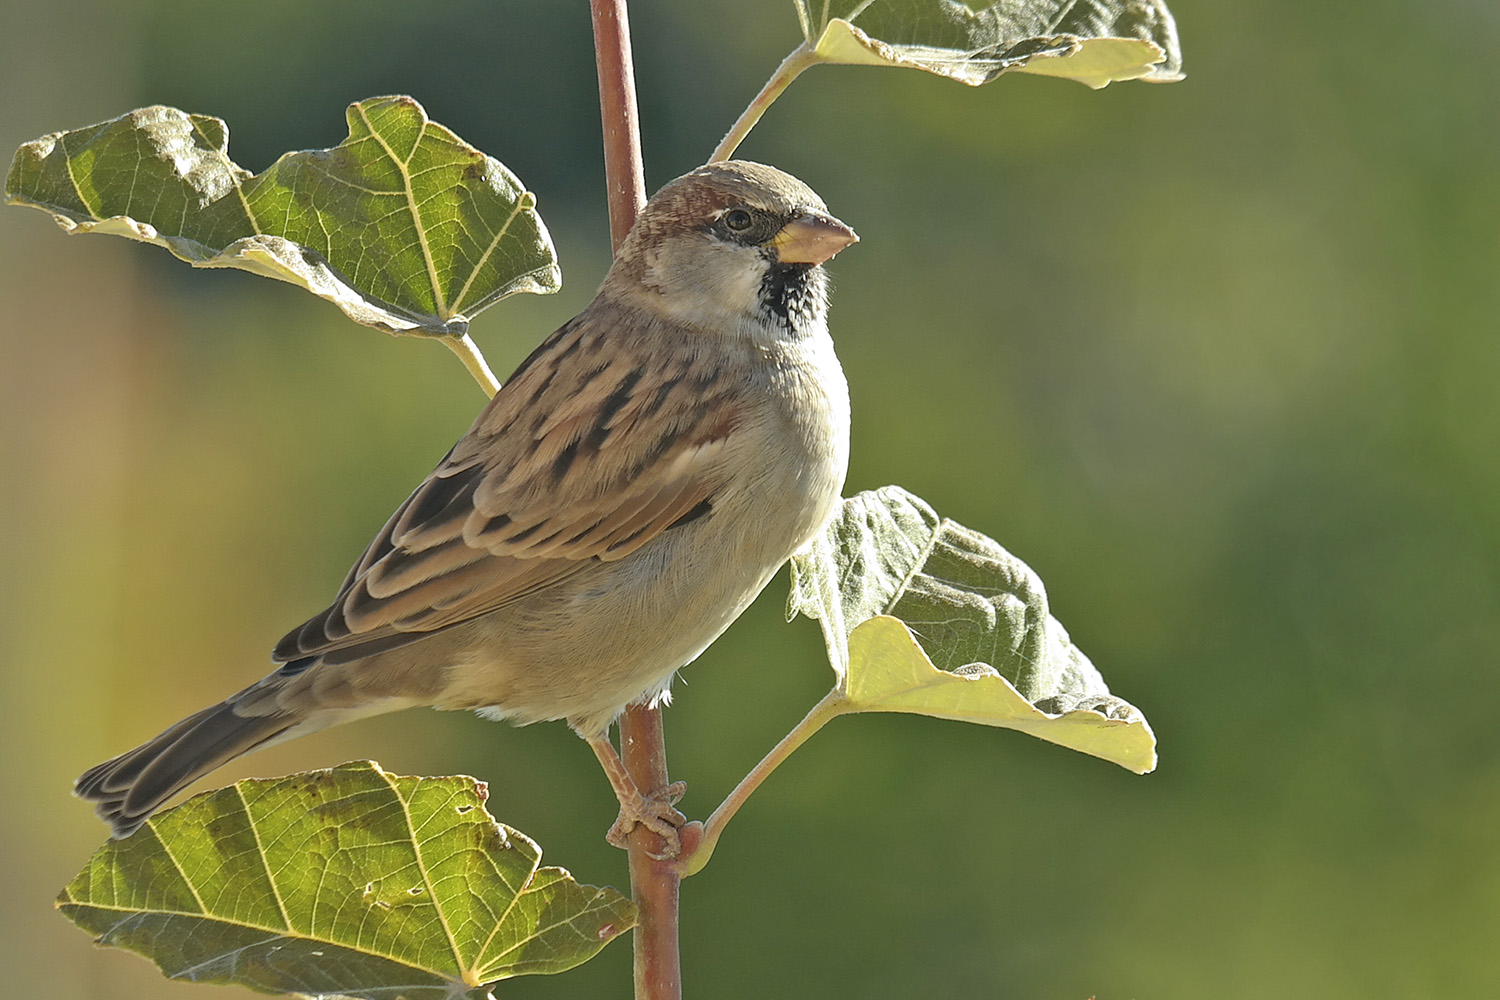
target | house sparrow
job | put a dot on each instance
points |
(625, 496)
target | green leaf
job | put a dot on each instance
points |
(923, 615)
(351, 882)
(403, 226)
(1093, 41)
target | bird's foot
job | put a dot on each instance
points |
(655, 813)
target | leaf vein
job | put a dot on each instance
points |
(442, 916)
(260, 852)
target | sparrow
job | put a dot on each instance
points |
(623, 498)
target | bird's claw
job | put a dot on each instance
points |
(656, 813)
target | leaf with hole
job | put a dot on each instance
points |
(403, 225)
(351, 882)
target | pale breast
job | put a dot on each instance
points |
(604, 638)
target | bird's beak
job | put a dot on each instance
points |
(812, 238)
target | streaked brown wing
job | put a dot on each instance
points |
(590, 451)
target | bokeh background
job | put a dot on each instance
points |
(1218, 359)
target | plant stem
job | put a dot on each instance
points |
(469, 354)
(624, 174)
(791, 67)
(654, 884)
(830, 707)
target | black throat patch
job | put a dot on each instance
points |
(789, 293)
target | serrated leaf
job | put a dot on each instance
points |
(1093, 41)
(921, 614)
(344, 882)
(403, 225)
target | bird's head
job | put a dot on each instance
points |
(736, 240)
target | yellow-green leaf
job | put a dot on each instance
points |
(890, 672)
(350, 882)
(403, 225)
(921, 614)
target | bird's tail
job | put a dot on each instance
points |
(132, 786)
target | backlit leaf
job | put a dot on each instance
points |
(350, 882)
(1093, 41)
(404, 226)
(923, 615)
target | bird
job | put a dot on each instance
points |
(631, 488)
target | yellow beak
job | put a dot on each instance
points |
(812, 239)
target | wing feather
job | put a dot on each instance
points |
(591, 450)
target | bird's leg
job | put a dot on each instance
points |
(654, 812)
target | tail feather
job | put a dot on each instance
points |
(129, 788)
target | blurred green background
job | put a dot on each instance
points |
(1218, 359)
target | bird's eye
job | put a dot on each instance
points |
(738, 219)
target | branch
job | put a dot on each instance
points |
(654, 884)
(624, 175)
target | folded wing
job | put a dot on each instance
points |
(588, 453)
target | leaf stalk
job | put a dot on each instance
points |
(801, 58)
(833, 705)
(468, 352)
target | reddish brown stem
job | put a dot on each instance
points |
(624, 175)
(653, 884)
